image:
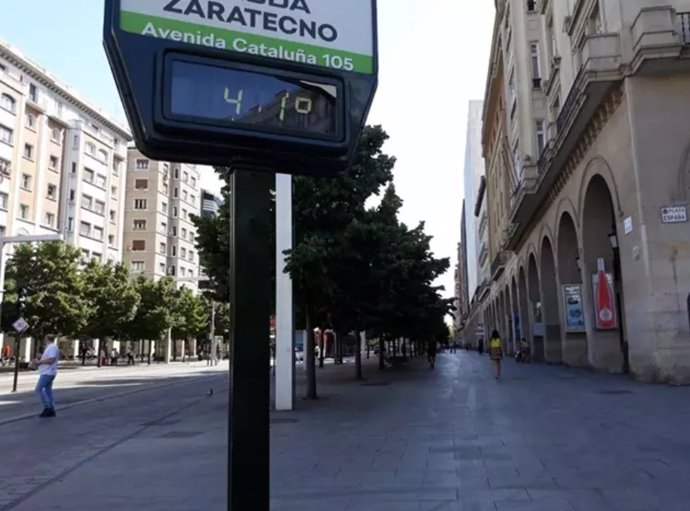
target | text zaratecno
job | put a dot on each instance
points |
(256, 18)
(243, 46)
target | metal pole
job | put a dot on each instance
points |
(214, 347)
(17, 347)
(248, 443)
(285, 338)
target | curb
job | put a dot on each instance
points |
(19, 418)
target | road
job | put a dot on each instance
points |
(543, 439)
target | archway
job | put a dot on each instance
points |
(553, 352)
(574, 331)
(536, 310)
(508, 314)
(600, 246)
(526, 326)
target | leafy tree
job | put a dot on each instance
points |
(157, 311)
(113, 299)
(50, 277)
(189, 316)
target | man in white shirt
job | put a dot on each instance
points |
(47, 370)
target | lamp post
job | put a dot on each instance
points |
(12, 240)
(618, 284)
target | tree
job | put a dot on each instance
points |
(189, 316)
(157, 311)
(323, 210)
(49, 275)
(113, 299)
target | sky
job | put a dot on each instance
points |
(433, 59)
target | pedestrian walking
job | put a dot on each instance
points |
(114, 357)
(431, 350)
(130, 357)
(480, 346)
(47, 369)
(496, 353)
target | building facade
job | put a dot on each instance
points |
(589, 235)
(159, 235)
(62, 161)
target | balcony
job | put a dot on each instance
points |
(601, 70)
(499, 264)
(660, 35)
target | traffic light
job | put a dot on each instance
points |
(21, 300)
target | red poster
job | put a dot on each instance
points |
(604, 300)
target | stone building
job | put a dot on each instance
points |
(587, 143)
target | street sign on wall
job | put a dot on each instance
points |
(674, 214)
(275, 85)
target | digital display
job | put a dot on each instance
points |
(237, 97)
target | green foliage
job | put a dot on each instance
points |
(49, 274)
(113, 299)
(190, 315)
(157, 311)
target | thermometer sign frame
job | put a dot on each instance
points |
(305, 93)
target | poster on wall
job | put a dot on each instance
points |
(537, 316)
(574, 308)
(605, 313)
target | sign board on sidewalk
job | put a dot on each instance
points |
(674, 214)
(573, 308)
(271, 85)
(20, 325)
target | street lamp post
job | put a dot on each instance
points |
(618, 284)
(13, 240)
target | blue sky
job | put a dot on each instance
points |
(433, 61)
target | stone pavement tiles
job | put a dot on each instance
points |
(544, 438)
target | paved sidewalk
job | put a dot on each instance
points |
(543, 439)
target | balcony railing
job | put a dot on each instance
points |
(685, 26)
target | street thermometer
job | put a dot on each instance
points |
(259, 86)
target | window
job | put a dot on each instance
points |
(554, 39)
(175, 192)
(70, 224)
(174, 210)
(194, 183)
(177, 172)
(541, 137)
(184, 232)
(26, 182)
(164, 227)
(111, 240)
(74, 168)
(102, 156)
(161, 268)
(174, 231)
(193, 199)
(53, 163)
(33, 92)
(191, 235)
(85, 229)
(5, 166)
(141, 184)
(97, 232)
(113, 192)
(8, 103)
(90, 149)
(24, 211)
(89, 175)
(140, 204)
(164, 207)
(594, 25)
(191, 255)
(31, 121)
(162, 249)
(138, 266)
(183, 271)
(174, 250)
(116, 167)
(138, 245)
(4, 199)
(139, 225)
(172, 271)
(191, 273)
(185, 195)
(112, 216)
(86, 201)
(28, 151)
(517, 164)
(99, 207)
(184, 214)
(142, 164)
(71, 195)
(6, 135)
(52, 192)
(56, 135)
(185, 177)
(100, 180)
(536, 66)
(183, 252)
